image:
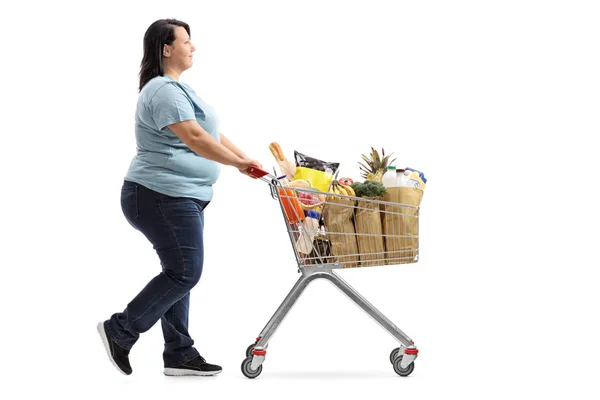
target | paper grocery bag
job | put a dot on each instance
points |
(288, 168)
(369, 233)
(339, 215)
(401, 225)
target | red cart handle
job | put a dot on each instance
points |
(256, 172)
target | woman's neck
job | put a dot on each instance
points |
(172, 73)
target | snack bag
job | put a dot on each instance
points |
(319, 173)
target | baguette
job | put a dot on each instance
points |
(277, 152)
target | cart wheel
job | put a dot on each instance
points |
(403, 371)
(249, 350)
(248, 371)
(393, 354)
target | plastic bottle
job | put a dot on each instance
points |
(310, 227)
(421, 175)
(389, 178)
(415, 179)
(401, 178)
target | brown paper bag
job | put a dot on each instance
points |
(338, 214)
(401, 225)
(288, 168)
(369, 233)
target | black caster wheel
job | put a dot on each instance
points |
(403, 371)
(248, 371)
(249, 350)
(393, 354)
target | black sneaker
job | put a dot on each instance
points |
(117, 355)
(196, 366)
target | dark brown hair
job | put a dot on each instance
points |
(157, 35)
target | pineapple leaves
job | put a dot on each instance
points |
(374, 163)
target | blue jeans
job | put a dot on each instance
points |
(174, 226)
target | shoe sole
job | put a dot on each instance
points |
(102, 332)
(186, 372)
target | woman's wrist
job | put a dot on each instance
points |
(240, 163)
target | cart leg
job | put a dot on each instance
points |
(258, 351)
(369, 308)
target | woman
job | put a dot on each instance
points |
(166, 189)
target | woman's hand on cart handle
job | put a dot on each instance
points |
(245, 167)
(256, 171)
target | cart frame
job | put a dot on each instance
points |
(402, 358)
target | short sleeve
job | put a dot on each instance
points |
(170, 105)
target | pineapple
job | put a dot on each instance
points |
(374, 167)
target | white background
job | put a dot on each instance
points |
(497, 102)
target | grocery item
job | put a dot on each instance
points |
(309, 199)
(302, 160)
(288, 168)
(321, 253)
(401, 179)
(415, 178)
(291, 205)
(338, 189)
(369, 189)
(367, 222)
(299, 183)
(319, 173)
(310, 227)
(413, 182)
(348, 189)
(421, 175)
(345, 181)
(277, 152)
(400, 224)
(318, 179)
(374, 166)
(339, 220)
(389, 178)
(369, 233)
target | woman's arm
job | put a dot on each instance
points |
(232, 147)
(235, 150)
(203, 144)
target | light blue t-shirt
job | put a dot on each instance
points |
(163, 162)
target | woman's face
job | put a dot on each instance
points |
(179, 53)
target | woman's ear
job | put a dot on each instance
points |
(166, 51)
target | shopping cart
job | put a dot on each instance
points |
(329, 231)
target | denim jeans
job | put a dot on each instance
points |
(174, 226)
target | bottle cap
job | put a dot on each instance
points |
(313, 214)
(391, 167)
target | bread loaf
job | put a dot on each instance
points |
(277, 152)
